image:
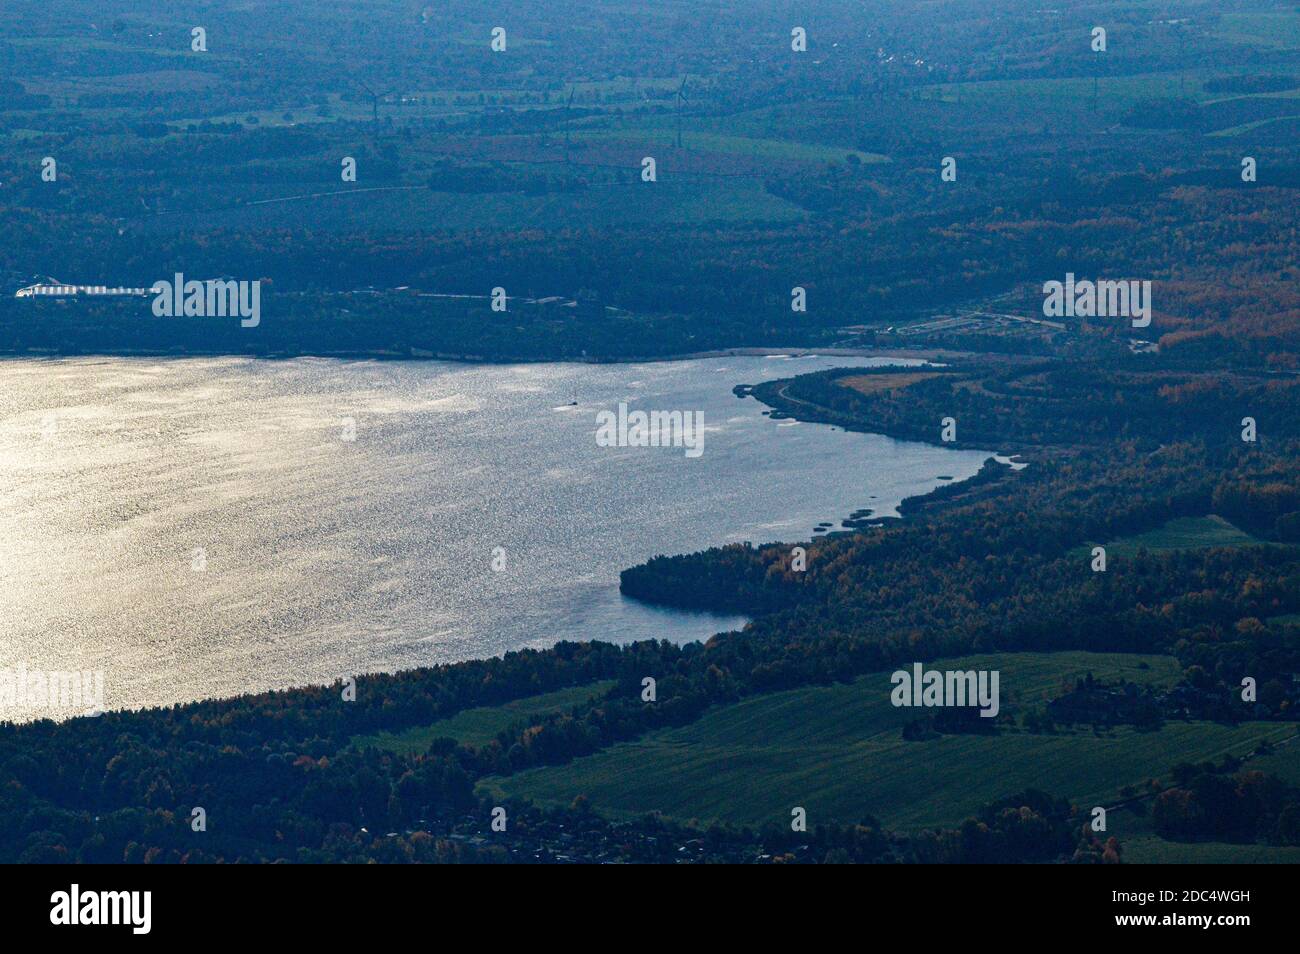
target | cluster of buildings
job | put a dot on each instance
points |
(547, 838)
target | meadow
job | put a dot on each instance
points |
(481, 725)
(1181, 533)
(838, 752)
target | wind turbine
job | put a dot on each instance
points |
(568, 103)
(374, 99)
(681, 98)
(1182, 56)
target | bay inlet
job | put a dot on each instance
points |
(198, 527)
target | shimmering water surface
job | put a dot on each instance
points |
(326, 557)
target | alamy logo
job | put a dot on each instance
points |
(1100, 299)
(82, 691)
(947, 688)
(651, 429)
(103, 907)
(214, 298)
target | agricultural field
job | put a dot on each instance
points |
(479, 726)
(875, 383)
(1153, 850)
(1273, 28)
(408, 208)
(697, 139)
(1143, 846)
(838, 752)
(1055, 95)
(1183, 533)
(1130, 99)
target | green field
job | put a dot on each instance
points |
(669, 201)
(1275, 28)
(1182, 533)
(1185, 533)
(1284, 762)
(703, 141)
(1141, 845)
(1153, 850)
(479, 726)
(1076, 91)
(838, 752)
(1247, 127)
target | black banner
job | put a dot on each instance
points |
(308, 903)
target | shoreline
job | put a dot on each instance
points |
(801, 351)
(867, 522)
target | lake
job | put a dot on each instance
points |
(210, 526)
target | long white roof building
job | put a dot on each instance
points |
(59, 290)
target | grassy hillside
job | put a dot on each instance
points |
(480, 726)
(1183, 533)
(838, 752)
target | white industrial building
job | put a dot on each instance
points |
(54, 289)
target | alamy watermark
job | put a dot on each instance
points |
(947, 688)
(132, 909)
(651, 429)
(52, 690)
(214, 298)
(1099, 299)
